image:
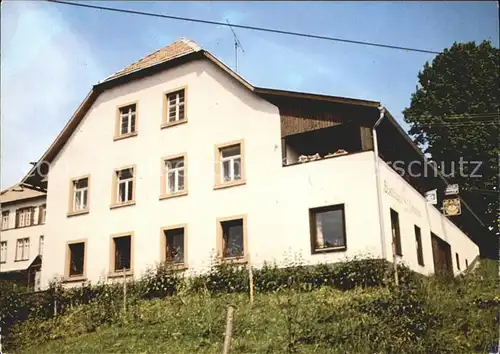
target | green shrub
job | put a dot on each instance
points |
(16, 305)
(222, 278)
(350, 307)
(360, 273)
(162, 281)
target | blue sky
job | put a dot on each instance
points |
(52, 54)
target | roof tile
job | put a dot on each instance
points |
(180, 47)
(19, 192)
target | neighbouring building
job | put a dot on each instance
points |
(22, 234)
(177, 158)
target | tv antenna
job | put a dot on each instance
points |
(237, 44)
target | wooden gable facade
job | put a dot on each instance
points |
(302, 115)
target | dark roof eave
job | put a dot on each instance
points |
(422, 155)
(33, 177)
(316, 97)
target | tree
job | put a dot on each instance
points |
(454, 116)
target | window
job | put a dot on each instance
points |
(76, 259)
(125, 185)
(122, 253)
(42, 213)
(327, 228)
(5, 219)
(175, 110)
(396, 234)
(24, 217)
(232, 238)
(458, 260)
(23, 249)
(174, 239)
(418, 245)
(3, 251)
(40, 246)
(127, 120)
(124, 182)
(174, 176)
(230, 164)
(80, 195)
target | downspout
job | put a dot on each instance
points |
(379, 196)
(377, 177)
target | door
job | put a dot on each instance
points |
(441, 252)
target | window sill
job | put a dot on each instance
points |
(173, 124)
(173, 195)
(125, 136)
(230, 184)
(233, 260)
(75, 278)
(329, 250)
(176, 266)
(21, 260)
(79, 212)
(119, 205)
(128, 273)
(21, 227)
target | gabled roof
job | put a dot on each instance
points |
(175, 54)
(19, 192)
(177, 49)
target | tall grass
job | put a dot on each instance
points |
(351, 308)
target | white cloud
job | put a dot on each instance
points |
(46, 70)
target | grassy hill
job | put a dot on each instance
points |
(421, 316)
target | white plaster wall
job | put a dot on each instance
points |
(219, 110)
(348, 180)
(413, 210)
(13, 234)
(275, 199)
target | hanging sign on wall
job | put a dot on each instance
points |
(452, 207)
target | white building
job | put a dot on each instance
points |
(22, 233)
(177, 157)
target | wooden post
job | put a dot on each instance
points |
(124, 292)
(250, 278)
(229, 330)
(55, 300)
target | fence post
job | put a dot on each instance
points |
(250, 278)
(55, 301)
(124, 292)
(229, 330)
